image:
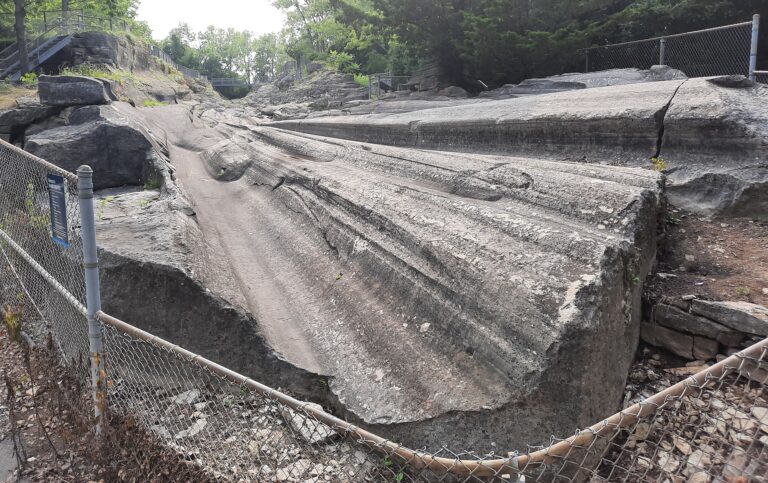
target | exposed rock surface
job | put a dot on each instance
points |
(406, 276)
(101, 48)
(740, 316)
(14, 121)
(700, 329)
(716, 145)
(70, 90)
(289, 97)
(112, 144)
(713, 139)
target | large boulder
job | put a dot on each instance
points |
(716, 146)
(14, 121)
(451, 295)
(71, 90)
(117, 148)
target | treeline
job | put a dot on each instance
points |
(32, 13)
(227, 52)
(496, 41)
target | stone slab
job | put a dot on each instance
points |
(742, 316)
(674, 318)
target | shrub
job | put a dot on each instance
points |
(361, 80)
(29, 79)
(342, 62)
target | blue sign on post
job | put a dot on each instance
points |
(58, 201)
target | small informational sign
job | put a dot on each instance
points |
(58, 201)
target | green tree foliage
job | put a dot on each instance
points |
(496, 41)
(226, 52)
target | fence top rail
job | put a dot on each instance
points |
(655, 39)
(464, 467)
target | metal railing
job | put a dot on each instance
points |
(49, 35)
(730, 49)
(228, 82)
(710, 426)
(384, 83)
(185, 71)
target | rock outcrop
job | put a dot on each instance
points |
(713, 139)
(116, 147)
(439, 293)
(703, 330)
(70, 90)
(289, 97)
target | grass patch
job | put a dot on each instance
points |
(153, 103)
(93, 70)
(9, 93)
(361, 80)
(29, 79)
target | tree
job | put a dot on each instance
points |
(20, 15)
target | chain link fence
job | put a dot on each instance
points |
(711, 426)
(717, 51)
(384, 83)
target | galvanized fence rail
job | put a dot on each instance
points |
(711, 426)
(186, 71)
(726, 50)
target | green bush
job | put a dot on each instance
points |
(29, 79)
(361, 80)
(342, 62)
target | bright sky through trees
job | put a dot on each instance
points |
(258, 16)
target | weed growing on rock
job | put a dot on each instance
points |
(742, 291)
(100, 71)
(153, 103)
(361, 80)
(659, 164)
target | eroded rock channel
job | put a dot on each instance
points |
(438, 298)
(467, 276)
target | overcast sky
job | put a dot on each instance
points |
(258, 16)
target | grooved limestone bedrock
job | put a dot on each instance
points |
(456, 299)
(713, 138)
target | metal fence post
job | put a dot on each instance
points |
(662, 50)
(92, 292)
(586, 60)
(753, 49)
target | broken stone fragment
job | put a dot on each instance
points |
(676, 342)
(704, 348)
(675, 318)
(742, 316)
(187, 397)
(306, 426)
(71, 90)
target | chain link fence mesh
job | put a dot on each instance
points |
(711, 426)
(719, 51)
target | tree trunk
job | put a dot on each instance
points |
(65, 16)
(20, 13)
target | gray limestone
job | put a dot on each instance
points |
(712, 138)
(71, 90)
(116, 148)
(742, 316)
